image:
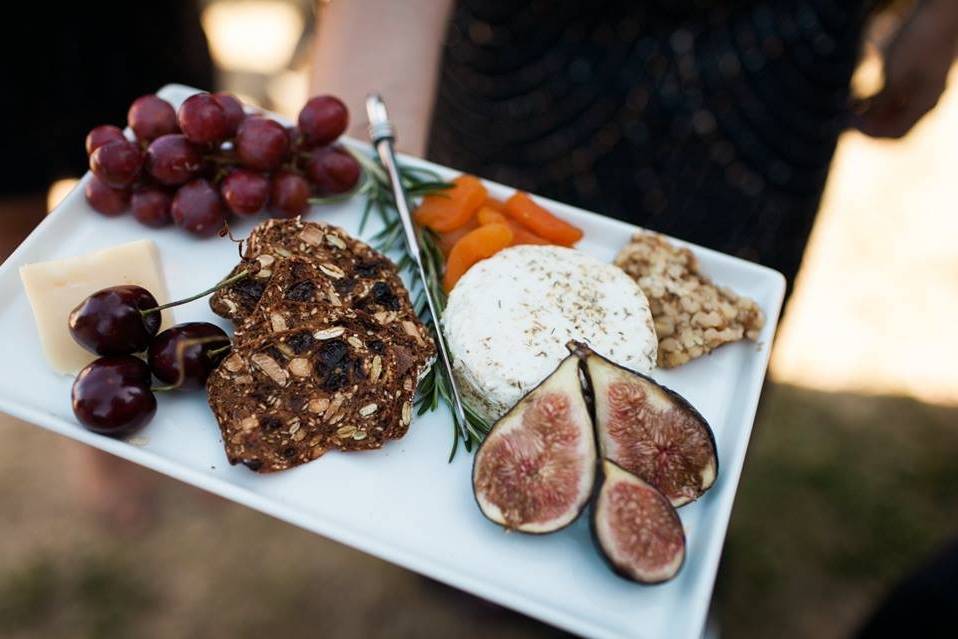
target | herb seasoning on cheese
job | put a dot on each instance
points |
(508, 320)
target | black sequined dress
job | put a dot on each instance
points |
(715, 125)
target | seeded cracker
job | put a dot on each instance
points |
(301, 290)
(287, 398)
(275, 241)
(327, 350)
(692, 315)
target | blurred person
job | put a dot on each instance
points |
(715, 122)
(82, 66)
(921, 605)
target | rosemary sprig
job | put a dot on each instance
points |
(375, 189)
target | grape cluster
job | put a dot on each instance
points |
(197, 165)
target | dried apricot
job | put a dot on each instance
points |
(488, 215)
(452, 208)
(476, 245)
(521, 208)
(520, 234)
(448, 240)
(493, 203)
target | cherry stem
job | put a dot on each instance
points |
(217, 351)
(181, 357)
(221, 284)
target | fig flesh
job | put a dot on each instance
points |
(650, 431)
(535, 471)
(636, 528)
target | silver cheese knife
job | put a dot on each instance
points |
(382, 135)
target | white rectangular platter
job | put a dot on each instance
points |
(405, 503)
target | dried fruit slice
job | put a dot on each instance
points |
(535, 471)
(451, 209)
(520, 234)
(650, 431)
(476, 245)
(524, 210)
(448, 240)
(636, 528)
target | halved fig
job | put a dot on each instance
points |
(636, 528)
(649, 430)
(536, 468)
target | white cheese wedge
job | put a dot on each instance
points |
(56, 287)
(509, 318)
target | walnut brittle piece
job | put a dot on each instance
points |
(692, 315)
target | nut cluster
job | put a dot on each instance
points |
(692, 315)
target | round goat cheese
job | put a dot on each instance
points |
(509, 318)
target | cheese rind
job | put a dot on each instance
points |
(509, 318)
(56, 287)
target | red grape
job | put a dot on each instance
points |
(289, 194)
(323, 119)
(332, 169)
(151, 206)
(203, 120)
(172, 159)
(151, 116)
(117, 163)
(295, 138)
(233, 109)
(197, 208)
(101, 135)
(245, 192)
(104, 198)
(261, 144)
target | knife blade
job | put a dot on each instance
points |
(383, 136)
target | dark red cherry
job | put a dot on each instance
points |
(195, 348)
(110, 321)
(112, 395)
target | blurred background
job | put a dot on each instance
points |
(850, 482)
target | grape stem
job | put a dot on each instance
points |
(213, 289)
(221, 159)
